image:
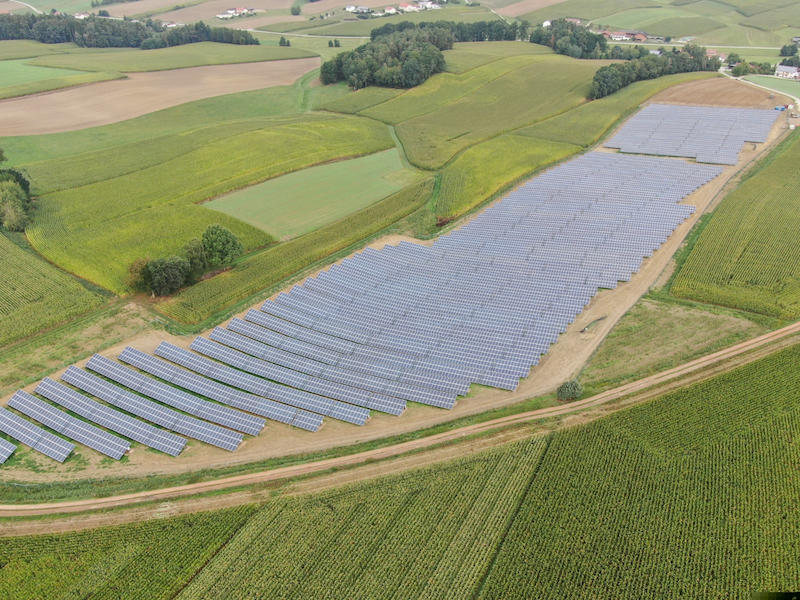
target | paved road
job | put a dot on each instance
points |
(397, 449)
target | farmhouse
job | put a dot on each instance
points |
(81, 16)
(796, 39)
(350, 8)
(640, 37)
(390, 10)
(408, 8)
(787, 72)
(618, 36)
(225, 15)
(546, 24)
(363, 10)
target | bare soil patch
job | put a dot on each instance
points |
(526, 6)
(142, 93)
(719, 92)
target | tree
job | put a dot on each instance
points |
(283, 41)
(220, 245)
(330, 43)
(295, 10)
(14, 217)
(13, 206)
(570, 390)
(138, 278)
(789, 50)
(196, 255)
(2, 156)
(167, 275)
(336, 44)
(734, 59)
(740, 70)
(103, 13)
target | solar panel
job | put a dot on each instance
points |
(107, 417)
(69, 426)
(221, 393)
(153, 412)
(183, 401)
(34, 436)
(6, 450)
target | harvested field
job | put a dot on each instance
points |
(718, 92)
(141, 93)
(526, 6)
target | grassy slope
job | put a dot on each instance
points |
(14, 49)
(691, 494)
(301, 202)
(35, 295)
(747, 257)
(177, 57)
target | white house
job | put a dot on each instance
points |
(408, 7)
(225, 15)
(350, 8)
(81, 16)
(363, 10)
(787, 72)
(618, 36)
(424, 4)
(390, 10)
(546, 24)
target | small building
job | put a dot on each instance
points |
(81, 16)
(576, 21)
(640, 37)
(786, 72)
(796, 39)
(390, 10)
(350, 8)
(363, 10)
(408, 8)
(655, 52)
(546, 24)
(225, 15)
(620, 36)
(424, 4)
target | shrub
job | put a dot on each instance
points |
(570, 390)
(221, 247)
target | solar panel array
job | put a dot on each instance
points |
(188, 403)
(221, 393)
(107, 417)
(34, 436)
(257, 385)
(6, 450)
(709, 135)
(149, 410)
(484, 302)
(69, 426)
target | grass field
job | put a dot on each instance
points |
(19, 72)
(485, 169)
(163, 59)
(776, 83)
(301, 202)
(35, 295)
(746, 257)
(692, 494)
(14, 49)
(587, 10)
(97, 230)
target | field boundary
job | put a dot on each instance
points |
(283, 473)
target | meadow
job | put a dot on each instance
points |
(746, 257)
(36, 295)
(781, 85)
(301, 202)
(689, 494)
(97, 230)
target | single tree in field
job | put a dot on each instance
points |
(220, 245)
(570, 390)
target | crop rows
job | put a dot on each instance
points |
(35, 295)
(263, 270)
(747, 256)
(150, 559)
(427, 534)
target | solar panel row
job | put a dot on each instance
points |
(221, 393)
(35, 437)
(152, 411)
(69, 426)
(183, 401)
(6, 450)
(107, 417)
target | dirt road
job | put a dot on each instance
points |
(397, 449)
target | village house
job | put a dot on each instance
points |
(787, 72)
(619, 36)
(390, 10)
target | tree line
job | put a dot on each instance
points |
(15, 198)
(480, 31)
(217, 248)
(95, 32)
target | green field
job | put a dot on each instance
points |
(176, 57)
(776, 83)
(20, 78)
(18, 72)
(97, 230)
(301, 202)
(747, 256)
(587, 10)
(692, 494)
(35, 295)
(14, 49)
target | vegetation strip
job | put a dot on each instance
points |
(295, 470)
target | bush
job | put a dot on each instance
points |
(295, 10)
(570, 390)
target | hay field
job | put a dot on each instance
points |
(777, 84)
(36, 295)
(300, 202)
(97, 230)
(177, 57)
(141, 93)
(17, 72)
(747, 257)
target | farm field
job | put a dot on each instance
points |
(301, 202)
(35, 295)
(589, 495)
(15, 49)
(18, 72)
(777, 84)
(177, 57)
(97, 230)
(141, 93)
(746, 257)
